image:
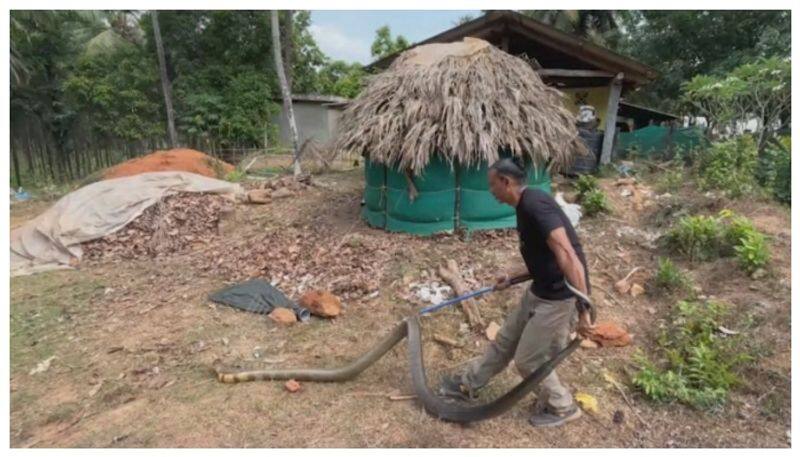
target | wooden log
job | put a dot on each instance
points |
(451, 274)
(447, 341)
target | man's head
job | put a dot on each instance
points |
(506, 179)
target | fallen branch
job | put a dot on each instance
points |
(451, 274)
(447, 341)
(402, 397)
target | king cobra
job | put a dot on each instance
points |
(451, 411)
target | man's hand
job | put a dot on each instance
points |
(502, 281)
(585, 325)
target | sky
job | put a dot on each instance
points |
(348, 35)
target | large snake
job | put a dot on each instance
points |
(433, 404)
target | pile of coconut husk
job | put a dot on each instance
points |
(175, 224)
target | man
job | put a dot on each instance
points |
(540, 326)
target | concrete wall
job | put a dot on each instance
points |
(313, 120)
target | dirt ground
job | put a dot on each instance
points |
(131, 344)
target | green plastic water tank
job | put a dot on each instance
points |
(448, 198)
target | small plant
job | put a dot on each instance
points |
(595, 202)
(697, 237)
(697, 364)
(670, 277)
(585, 184)
(745, 241)
(235, 175)
(752, 252)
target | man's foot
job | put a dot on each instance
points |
(452, 387)
(545, 417)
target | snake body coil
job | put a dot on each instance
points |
(434, 405)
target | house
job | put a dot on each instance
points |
(587, 73)
(316, 117)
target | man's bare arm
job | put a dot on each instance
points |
(567, 259)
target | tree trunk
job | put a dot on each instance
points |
(288, 47)
(285, 93)
(165, 83)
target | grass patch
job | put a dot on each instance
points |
(696, 364)
(42, 306)
(669, 277)
(670, 180)
(62, 412)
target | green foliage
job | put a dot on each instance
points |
(116, 92)
(736, 228)
(585, 184)
(729, 166)
(589, 24)
(307, 58)
(697, 237)
(761, 87)
(595, 202)
(670, 180)
(340, 78)
(752, 252)
(782, 186)
(235, 175)
(696, 364)
(706, 237)
(683, 44)
(670, 277)
(775, 169)
(384, 45)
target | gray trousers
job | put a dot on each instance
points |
(534, 331)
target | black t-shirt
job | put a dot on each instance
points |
(538, 214)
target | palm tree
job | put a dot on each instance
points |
(285, 92)
(165, 83)
(589, 24)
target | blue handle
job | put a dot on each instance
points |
(455, 300)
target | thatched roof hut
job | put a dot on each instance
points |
(431, 124)
(466, 101)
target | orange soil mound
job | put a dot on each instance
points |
(172, 160)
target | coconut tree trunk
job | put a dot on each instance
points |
(165, 83)
(288, 45)
(285, 93)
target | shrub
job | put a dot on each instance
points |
(697, 365)
(670, 277)
(782, 187)
(697, 237)
(752, 252)
(595, 202)
(706, 237)
(729, 166)
(585, 184)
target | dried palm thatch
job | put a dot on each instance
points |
(467, 100)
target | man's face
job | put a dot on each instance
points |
(500, 187)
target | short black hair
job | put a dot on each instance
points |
(511, 167)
